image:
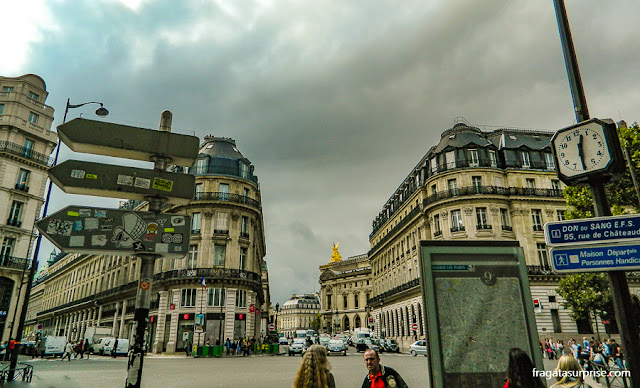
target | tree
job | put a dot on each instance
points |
(584, 294)
(315, 324)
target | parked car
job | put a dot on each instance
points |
(336, 346)
(380, 343)
(122, 349)
(283, 341)
(298, 346)
(418, 347)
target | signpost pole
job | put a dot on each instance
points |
(143, 299)
(618, 279)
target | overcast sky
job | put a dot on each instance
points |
(334, 102)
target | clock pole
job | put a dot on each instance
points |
(619, 286)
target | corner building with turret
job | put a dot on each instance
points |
(226, 250)
(495, 184)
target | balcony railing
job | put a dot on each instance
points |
(537, 228)
(14, 262)
(27, 153)
(226, 197)
(212, 273)
(221, 232)
(483, 227)
(507, 227)
(403, 287)
(14, 222)
(244, 235)
(539, 270)
(457, 229)
(437, 233)
(477, 190)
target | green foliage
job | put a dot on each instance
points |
(579, 202)
(315, 324)
(584, 293)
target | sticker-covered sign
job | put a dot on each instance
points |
(76, 229)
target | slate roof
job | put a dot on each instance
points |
(221, 147)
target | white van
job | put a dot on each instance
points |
(98, 347)
(122, 349)
(52, 346)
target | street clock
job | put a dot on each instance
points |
(588, 151)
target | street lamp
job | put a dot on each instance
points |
(368, 310)
(102, 111)
(277, 311)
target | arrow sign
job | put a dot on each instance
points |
(83, 229)
(123, 141)
(106, 180)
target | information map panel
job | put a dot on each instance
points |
(474, 293)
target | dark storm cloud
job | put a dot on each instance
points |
(335, 102)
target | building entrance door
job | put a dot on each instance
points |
(6, 290)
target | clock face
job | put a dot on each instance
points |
(581, 150)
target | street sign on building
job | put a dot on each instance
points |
(105, 180)
(84, 229)
(624, 228)
(596, 258)
(123, 141)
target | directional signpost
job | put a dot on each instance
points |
(148, 235)
(83, 229)
(595, 244)
(106, 180)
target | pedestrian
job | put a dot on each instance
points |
(569, 374)
(115, 347)
(616, 353)
(79, 349)
(208, 342)
(314, 370)
(380, 376)
(228, 345)
(520, 371)
(187, 347)
(86, 347)
(68, 349)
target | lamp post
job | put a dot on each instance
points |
(277, 311)
(102, 111)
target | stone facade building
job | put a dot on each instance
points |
(226, 249)
(345, 287)
(297, 313)
(26, 142)
(497, 184)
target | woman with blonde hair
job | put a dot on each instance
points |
(569, 373)
(314, 369)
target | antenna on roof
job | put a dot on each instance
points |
(460, 120)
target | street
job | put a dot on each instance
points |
(178, 371)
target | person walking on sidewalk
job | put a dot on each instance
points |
(187, 347)
(520, 371)
(314, 370)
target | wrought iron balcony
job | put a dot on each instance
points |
(437, 233)
(459, 228)
(507, 227)
(14, 262)
(226, 197)
(221, 232)
(27, 153)
(14, 222)
(483, 227)
(539, 270)
(403, 287)
(209, 273)
(22, 187)
(244, 235)
(537, 228)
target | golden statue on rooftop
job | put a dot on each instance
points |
(335, 255)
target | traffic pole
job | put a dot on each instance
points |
(618, 280)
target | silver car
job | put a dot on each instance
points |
(336, 346)
(297, 347)
(419, 347)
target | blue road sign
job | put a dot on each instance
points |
(625, 229)
(596, 258)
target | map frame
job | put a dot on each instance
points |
(488, 262)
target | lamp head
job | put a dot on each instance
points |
(102, 111)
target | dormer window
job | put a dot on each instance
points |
(526, 160)
(473, 158)
(244, 171)
(202, 165)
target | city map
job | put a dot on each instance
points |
(479, 323)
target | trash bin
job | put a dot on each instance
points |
(216, 350)
(276, 349)
(206, 351)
